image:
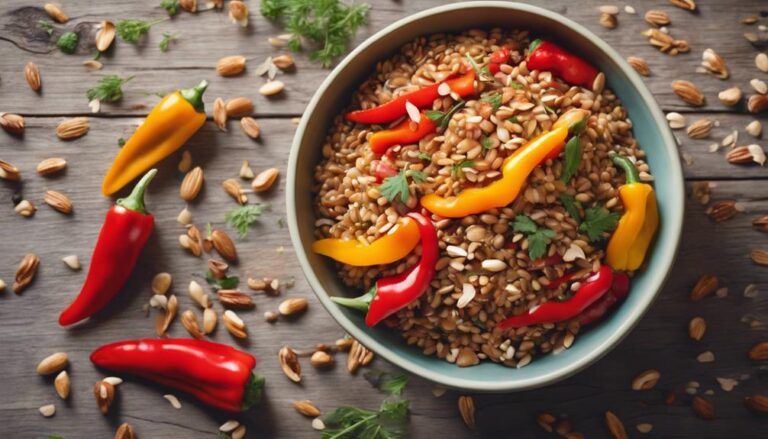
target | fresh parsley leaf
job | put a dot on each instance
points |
(387, 382)
(389, 422)
(67, 42)
(170, 6)
(424, 156)
(167, 38)
(572, 159)
(225, 283)
(241, 218)
(486, 142)
(570, 206)
(120, 142)
(417, 176)
(493, 98)
(538, 237)
(516, 85)
(329, 24)
(46, 26)
(108, 89)
(446, 118)
(395, 186)
(457, 169)
(598, 220)
(131, 31)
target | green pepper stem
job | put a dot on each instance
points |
(253, 390)
(194, 95)
(626, 164)
(360, 303)
(135, 201)
(534, 44)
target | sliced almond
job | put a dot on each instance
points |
(224, 245)
(51, 166)
(92, 64)
(54, 11)
(105, 36)
(192, 184)
(467, 410)
(105, 395)
(72, 261)
(12, 123)
(32, 75)
(265, 179)
(761, 61)
(53, 363)
(289, 363)
(230, 65)
(185, 164)
(25, 273)
(185, 217)
(58, 201)
(271, 88)
(246, 173)
(239, 107)
(9, 172)
(220, 114)
(688, 92)
(306, 408)
(189, 321)
(730, 96)
(72, 128)
(358, 356)
(639, 65)
(25, 208)
(62, 384)
(250, 127)
(233, 189)
(759, 86)
(755, 128)
(293, 306)
(234, 324)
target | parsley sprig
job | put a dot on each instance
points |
(483, 74)
(131, 30)
(108, 89)
(598, 221)
(387, 382)
(167, 38)
(397, 185)
(327, 23)
(443, 118)
(494, 98)
(538, 237)
(225, 283)
(46, 26)
(170, 6)
(390, 421)
(241, 218)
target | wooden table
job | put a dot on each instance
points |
(28, 322)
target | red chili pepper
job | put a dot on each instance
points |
(405, 133)
(464, 85)
(123, 235)
(391, 294)
(545, 55)
(216, 374)
(592, 289)
(382, 169)
(597, 310)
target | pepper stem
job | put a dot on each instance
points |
(194, 95)
(360, 303)
(135, 201)
(626, 164)
(534, 44)
(253, 390)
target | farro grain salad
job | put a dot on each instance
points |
(487, 193)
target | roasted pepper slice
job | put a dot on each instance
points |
(404, 133)
(515, 171)
(545, 55)
(395, 245)
(634, 233)
(167, 127)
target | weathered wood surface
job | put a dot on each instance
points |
(29, 332)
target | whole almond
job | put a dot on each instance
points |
(234, 324)
(25, 208)
(188, 5)
(688, 92)
(271, 88)
(639, 65)
(125, 431)
(197, 294)
(58, 201)
(189, 321)
(759, 257)
(757, 403)
(696, 328)
(615, 426)
(32, 75)
(689, 5)
(62, 384)
(761, 61)
(161, 283)
(51, 166)
(192, 184)
(250, 127)
(289, 363)
(283, 62)
(235, 299)
(755, 128)
(265, 179)
(757, 103)
(321, 359)
(224, 245)
(759, 351)
(705, 286)
(657, 18)
(105, 395)
(12, 123)
(230, 65)
(703, 408)
(714, 63)
(54, 11)
(239, 107)
(233, 189)
(730, 96)
(306, 408)
(72, 128)
(105, 36)
(25, 273)
(220, 114)
(209, 320)
(53, 363)
(700, 129)
(238, 13)
(740, 155)
(646, 380)
(761, 223)
(608, 21)
(722, 210)
(467, 410)
(293, 306)
(9, 172)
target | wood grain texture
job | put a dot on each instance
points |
(28, 327)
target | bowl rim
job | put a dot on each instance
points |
(673, 218)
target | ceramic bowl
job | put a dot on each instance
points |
(650, 129)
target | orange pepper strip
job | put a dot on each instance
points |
(404, 133)
(395, 245)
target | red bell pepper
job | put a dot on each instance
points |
(390, 111)
(591, 290)
(216, 374)
(391, 294)
(404, 133)
(545, 55)
(496, 59)
(597, 310)
(382, 169)
(123, 235)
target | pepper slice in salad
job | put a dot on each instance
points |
(546, 55)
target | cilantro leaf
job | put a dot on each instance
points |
(167, 38)
(241, 218)
(424, 156)
(444, 118)
(523, 224)
(457, 169)
(387, 382)
(538, 237)
(46, 26)
(395, 186)
(570, 206)
(389, 422)
(417, 176)
(131, 31)
(572, 159)
(493, 98)
(598, 220)
(225, 283)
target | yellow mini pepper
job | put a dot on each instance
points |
(634, 233)
(395, 245)
(167, 127)
(515, 171)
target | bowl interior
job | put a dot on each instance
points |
(649, 128)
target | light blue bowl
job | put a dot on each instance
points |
(650, 129)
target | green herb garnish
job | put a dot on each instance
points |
(241, 218)
(570, 206)
(170, 6)
(387, 382)
(538, 237)
(516, 85)
(167, 38)
(486, 142)
(120, 142)
(424, 156)
(327, 23)
(397, 185)
(443, 119)
(225, 283)
(131, 31)
(457, 169)
(598, 220)
(572, 159)
(389, 422)
(483, 74)
(67, 42)
(108, 89)
(46, 26)
(493, 98)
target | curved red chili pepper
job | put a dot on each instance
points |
(216, 374)
(123, 235)
(390, 111)
(391, 294)
(545, 55)
(404, 133)
(597, 310)
(592, 289)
